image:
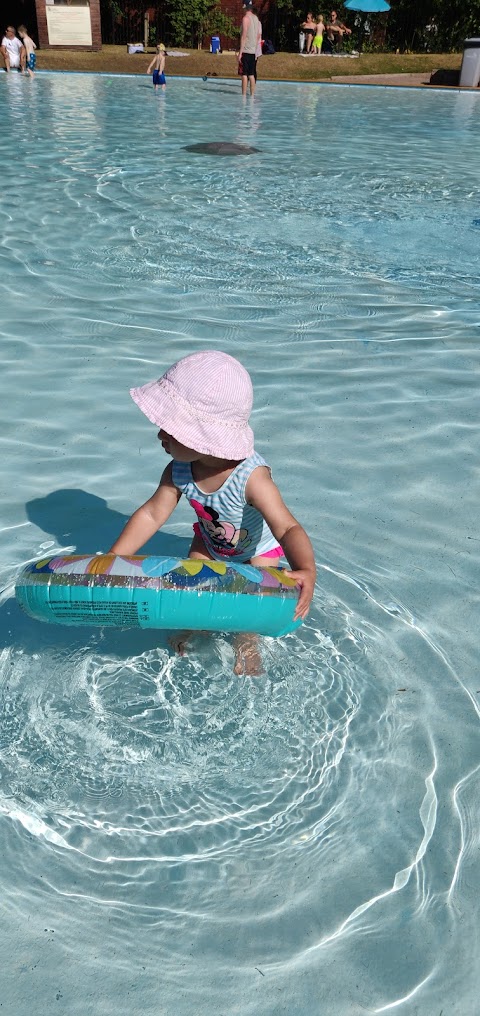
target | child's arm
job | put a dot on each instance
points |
(264, 495)
(150, 66)
(243, 37)
(149, 517)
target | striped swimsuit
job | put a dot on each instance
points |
(228, 526)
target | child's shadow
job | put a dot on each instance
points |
(74, 518)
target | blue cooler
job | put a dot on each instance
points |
(215, 44)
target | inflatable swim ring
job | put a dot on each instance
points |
(158, 592)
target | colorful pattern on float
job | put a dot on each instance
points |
(158, 592)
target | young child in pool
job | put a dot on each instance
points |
(158, 65)
(202, 405)
(30, 48)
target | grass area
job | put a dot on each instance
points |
(281, 66)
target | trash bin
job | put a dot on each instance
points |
(470, 72)
(215, 44)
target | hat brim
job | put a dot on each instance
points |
(205, 434)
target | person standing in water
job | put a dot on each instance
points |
(202, 406)
(250, 41)
(158, 67)
(30, 48)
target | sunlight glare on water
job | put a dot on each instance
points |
(176, 839)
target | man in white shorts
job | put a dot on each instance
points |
(12, 50)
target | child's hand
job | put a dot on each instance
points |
(261, 492)
(306, 580)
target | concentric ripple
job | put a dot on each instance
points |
(166, 731)
(118, 770)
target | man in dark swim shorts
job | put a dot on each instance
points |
(250, 45)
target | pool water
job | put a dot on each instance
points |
(174, 839)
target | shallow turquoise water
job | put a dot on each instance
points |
(174, 839)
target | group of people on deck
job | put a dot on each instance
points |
(18, 50)
(323, 37)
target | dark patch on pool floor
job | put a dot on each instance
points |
(221, 148)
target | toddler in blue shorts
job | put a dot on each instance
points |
(158, 67)
(30, 48)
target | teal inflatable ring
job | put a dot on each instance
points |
(158, 592)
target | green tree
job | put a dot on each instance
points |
(120, 8)
(455, 21)
(434, 25)
(191, 20)
(112, 7)
(119, 16)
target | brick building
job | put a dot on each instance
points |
(69, 23)
(66, 24)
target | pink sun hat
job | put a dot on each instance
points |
(204, 401)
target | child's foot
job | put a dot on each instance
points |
(248, 660)
(247, 656)
(179, 641)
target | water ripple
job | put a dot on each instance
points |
(170, 831)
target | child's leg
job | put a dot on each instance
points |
(247, 653)
(198, 552)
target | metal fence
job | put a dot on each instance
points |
(130, 27)
(405, 28)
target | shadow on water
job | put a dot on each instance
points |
(227, 91)
(76, 519)
(221, 148)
